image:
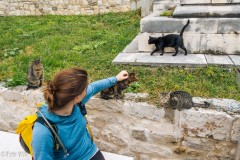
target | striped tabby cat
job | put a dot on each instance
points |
(35, 75)
(180, 100)
(115, 92)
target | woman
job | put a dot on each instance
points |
(68, 88)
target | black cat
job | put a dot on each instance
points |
(171, 40)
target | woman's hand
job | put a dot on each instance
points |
(122, 75)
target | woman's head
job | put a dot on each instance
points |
(65, 87)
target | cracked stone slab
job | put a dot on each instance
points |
(229, 26)
(223, 43)
(206, 123)
(235, 59)
(157, 60)
(219, 60)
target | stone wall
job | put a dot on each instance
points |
(65, 7)
(144, 131)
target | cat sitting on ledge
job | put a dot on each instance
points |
(35, 75)
(115, 92)
(179, 100)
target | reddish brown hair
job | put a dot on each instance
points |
(66, 85)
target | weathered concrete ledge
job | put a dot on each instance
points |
(143, 131)
(197, 25)
(226, 11)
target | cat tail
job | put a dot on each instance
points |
(204, 105)
(181, 33)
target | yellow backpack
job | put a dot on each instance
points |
(25, 129)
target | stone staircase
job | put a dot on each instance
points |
(212, 37)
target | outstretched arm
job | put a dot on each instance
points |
(100, 85)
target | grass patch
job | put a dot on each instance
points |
(92, 42)
(167, 13)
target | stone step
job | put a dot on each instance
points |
(196, 2)
(191, 60)
(226, 11)
(197, 43)
(131, 55)
(157, 24)
(11, 149)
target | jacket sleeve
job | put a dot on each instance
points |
(42, 142)
(98, 86)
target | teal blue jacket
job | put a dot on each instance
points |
(71, 130)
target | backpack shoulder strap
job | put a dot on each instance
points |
(42, 121)
(83, 110)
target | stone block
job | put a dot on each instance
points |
(195, 2)
(139, 134)
(228, 26)
(9, 95)
(206, 123)
(175, 25)
(163, 139)
(232, 43)
(143, 110)
(105, 146)
(33, 97)
(116, 135)
(146, 148)
(162, 25)
(112, 106)
(213, 42)
(159, 131)
(225, 1)
(220, 44)
(199, 143)
(235, 132)
(219, 60)
(201, 11)
(3, 6)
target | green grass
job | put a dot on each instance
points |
(167, 13)
(92, 42)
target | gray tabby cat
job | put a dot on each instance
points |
(180, 100)
(35, 75)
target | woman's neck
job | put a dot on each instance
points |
(66, 110)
